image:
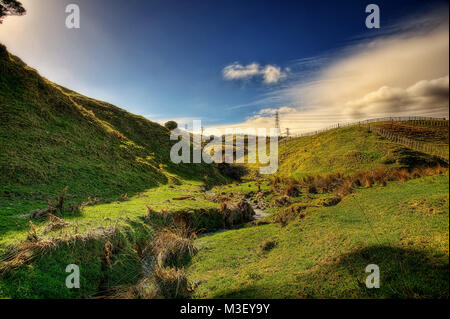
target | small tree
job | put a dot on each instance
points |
(10, 8)
(171, 125)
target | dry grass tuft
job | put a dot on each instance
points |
(290, 213)
(33, 246)
(330, 201)
(107, 255)
(281, 201)
(32, 235)
(173, 246)
(55, 224)
(346, 188)
(292, 191)
(171, 282)
(236, 213)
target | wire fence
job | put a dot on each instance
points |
(424, 147)
(415, 120)
(414, 144)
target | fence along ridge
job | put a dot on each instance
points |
(413, 144)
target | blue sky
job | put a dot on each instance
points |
(166, 59)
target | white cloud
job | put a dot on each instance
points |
(397, 74)
(269, 73)
(425, 96)
(272, 74)
(403, 73)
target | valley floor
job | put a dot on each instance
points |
(403, 228)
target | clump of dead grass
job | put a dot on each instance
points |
(235, 213)
(171, 282)
(34, 245)
(172, 247)
(292, 190)
(290, 213)
(55, 223)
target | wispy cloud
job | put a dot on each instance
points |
(403, 72)
(273, 111)
(269, 73)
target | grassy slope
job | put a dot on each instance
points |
(52, 137)
(434, 133)
(403, 228)
(344, 150)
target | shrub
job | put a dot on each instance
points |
(171, 125)
(236, 213)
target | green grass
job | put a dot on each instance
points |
(345, 150)
(45, 276)
(403, 228)
(52, 137)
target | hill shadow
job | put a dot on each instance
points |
(404, 273)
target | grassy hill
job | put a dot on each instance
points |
(52, 137)
(344, 150)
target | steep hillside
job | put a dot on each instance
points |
(344, 150)
(117, 168)
(52, 137)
